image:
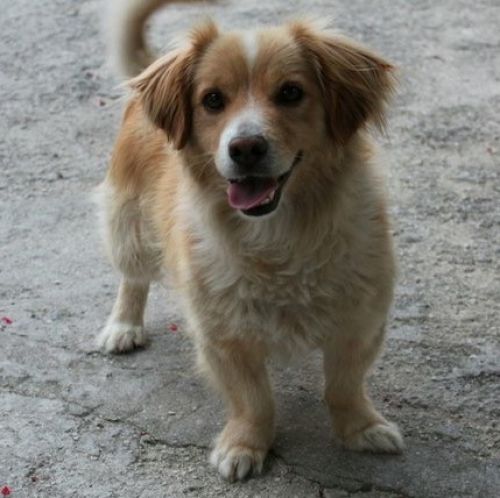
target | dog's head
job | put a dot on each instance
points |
(250, 109)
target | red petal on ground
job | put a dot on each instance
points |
(5, 491)
(7, 321)
(173, 327)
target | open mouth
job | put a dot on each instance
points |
(258, 195)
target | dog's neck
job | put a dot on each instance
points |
(291, 228)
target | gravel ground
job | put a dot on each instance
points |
(76, 424)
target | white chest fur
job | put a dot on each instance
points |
(286, 293)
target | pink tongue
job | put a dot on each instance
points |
(250, 192)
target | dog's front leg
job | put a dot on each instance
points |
(356, 422)
(238, 369)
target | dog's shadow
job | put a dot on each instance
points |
(174, 404)
(183, 410)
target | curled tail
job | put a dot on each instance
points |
(128, 49)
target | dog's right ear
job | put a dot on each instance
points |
(164, 91)
(164, 88)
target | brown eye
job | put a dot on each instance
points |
(289, 94)
(213, 101)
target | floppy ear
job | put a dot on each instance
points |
(356, 83)
(164, 87)
(164, 90)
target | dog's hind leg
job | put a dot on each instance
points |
(124, 329)
(132, 251)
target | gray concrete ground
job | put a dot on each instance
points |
(75, 423)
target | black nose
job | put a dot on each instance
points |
(248, 151)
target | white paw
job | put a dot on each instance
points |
(237, 462)
(379, 438)
(118, 337)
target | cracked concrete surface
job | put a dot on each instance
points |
(74, 423)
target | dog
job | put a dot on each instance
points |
(245, 167)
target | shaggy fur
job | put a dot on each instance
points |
(317, 272)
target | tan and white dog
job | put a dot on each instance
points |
(244, 167)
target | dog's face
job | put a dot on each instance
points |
(256, 111)
(254, 108)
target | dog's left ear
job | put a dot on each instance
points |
(164, 88)
(356, 83)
